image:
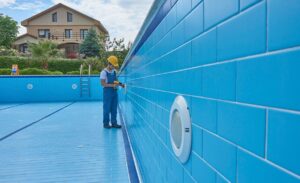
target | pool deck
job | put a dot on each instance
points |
(59, 142)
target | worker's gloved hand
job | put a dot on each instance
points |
(115, 85)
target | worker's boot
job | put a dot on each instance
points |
(107, 126)
(116, 126)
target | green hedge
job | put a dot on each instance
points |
(5, 71)
(73, 73)
(62, 65)
(56, 73)
(31, 71)
(35, 71)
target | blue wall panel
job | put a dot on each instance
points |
(197, 140)
(220, 180)
(204, 49)
(188, 179)
(284, 143)
(204, 113)
(246, 3)
(270, 80)
(220, 154)
(251, 169)
(201, 171)
(217, 10)
(243, 97)
(283, 24)
(170, 19)
(195, 2)
(243, 35)
(178, 37)
(244, 126)
(194, 22)
(183, 57)
(183, 7)
(219, 81)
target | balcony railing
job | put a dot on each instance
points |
(77, 37)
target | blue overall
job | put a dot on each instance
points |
(110, 100)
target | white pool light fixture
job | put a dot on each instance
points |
(74, 86)
(180, 129)
(29, 86)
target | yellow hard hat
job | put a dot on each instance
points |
(113, 60)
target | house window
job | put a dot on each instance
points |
(23, 48)
(44, 33)
(68, 33)
(69, 17)
(54, 17)
(83, 33)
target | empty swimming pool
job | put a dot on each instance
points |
(227, 69)
(59, 142)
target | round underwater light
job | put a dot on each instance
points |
(74, 86)
(29, 86)
(180, 129)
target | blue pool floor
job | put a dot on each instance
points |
(59, 142)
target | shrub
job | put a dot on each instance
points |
(56, 73)
(5, 71)
(96, 64)
(64, 65)
(34, 71)
(95, 72)
(73, 73)
(43, 51)
(7, 51)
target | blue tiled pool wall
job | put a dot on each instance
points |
(237, 64)
(46, 89)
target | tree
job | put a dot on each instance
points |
(8, 31)
(116, 47)
(91, 45)
(96, 63)
(44, 50)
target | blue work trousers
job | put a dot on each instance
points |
(110, 104)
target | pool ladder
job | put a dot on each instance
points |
(85, 83)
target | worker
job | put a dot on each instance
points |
(110, 84)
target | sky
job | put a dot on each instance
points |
(122, 18)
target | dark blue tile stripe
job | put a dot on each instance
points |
(11, 106)
(161, 14)
(129, 157)
(26, 126)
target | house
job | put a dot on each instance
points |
(61, 24)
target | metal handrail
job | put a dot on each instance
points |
(81, 69)
(83, 80)
(90, 67)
